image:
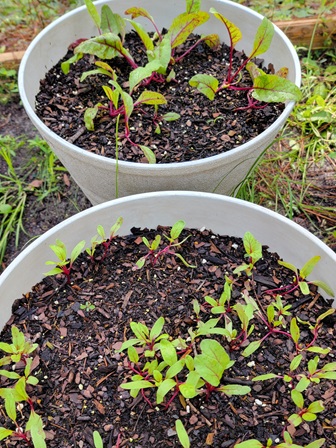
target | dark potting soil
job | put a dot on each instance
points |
(80, 369)
(205, 128)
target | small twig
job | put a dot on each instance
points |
(77, 135)
(237, 381)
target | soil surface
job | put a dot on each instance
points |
(205, 127)
(81, 325)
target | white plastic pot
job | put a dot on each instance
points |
(219, 213)
(95, 174)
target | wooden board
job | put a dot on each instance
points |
(300, 31)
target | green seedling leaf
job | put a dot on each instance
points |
(193, 6)
(182, 434)
(132, 354)
(325, 314)
(206, 84)
(35, 426)
(5, 433)
(113, 95)
(7, 348)
(54, 271)
(112, 22)
(32, 380)
(309, 266)
(76, 251)
(266, 376)
(150, 97)
(294, 330)
(254, 70)
(128, 104)
(157, 328)
(324, 286)
(212, 41)
(295, 420)
(212, 362)
(10, 375)
(20, 390)
(168, 352)
(140, 384)
(164, 388)
(65, 66)
(304, 287)
(161, 53)
(234, 389)
(315, 407)
(142, 33)
(252, 443)
(106, 46)
(289, 266)
(176, 230)
(59, 250)
(10, 405)
(193, 382)
(263, 38)
(89, 116)
(98, 442)
(136, 11)
(183, 25)
(116, 226)
(316, 444)
(302, 384)
(319, 350)
(251, 348)
(141, 73)
(92, 10)
(271, 88)
(309, 417)
(98, 71)
(234, 32)
(297, 398)
(171, 116)
(252, 247)
(295, 362)
(175, 369)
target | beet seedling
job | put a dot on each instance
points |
(154, 253)
(64, 265)
(265, 87)
(222, 305)
(146, 337)
(310, 347)
(307, 414)
(253, 253)
(103, 239)
(300, 279)
(18, 350)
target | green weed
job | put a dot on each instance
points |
(38, 177)
(8, 84)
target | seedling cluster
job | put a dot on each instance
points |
(162, 368)
(124, 99)
(20, 364)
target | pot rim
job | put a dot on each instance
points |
(128, 200)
